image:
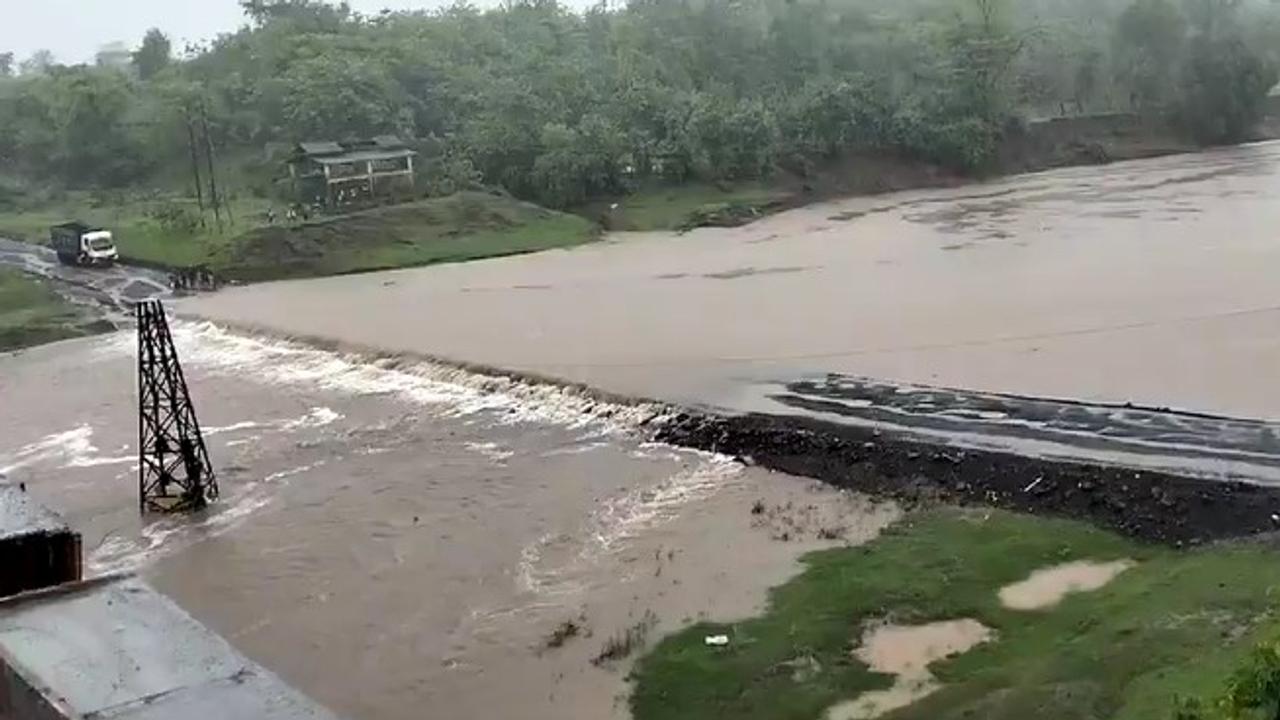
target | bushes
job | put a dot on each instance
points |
(1252, 692)
(1223, 90)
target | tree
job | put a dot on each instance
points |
(1223, 89)
(153, 55)
(983, 48)
(39, 62)
(1223, 82)
(1149, 40)
(336, 96)
(6, 64)
(306, 15)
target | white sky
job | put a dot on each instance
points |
(75, 29)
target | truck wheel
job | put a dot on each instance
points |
(82, 259)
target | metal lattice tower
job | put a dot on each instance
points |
(174, 472)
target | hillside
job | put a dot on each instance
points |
(463, 226)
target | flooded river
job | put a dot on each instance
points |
(394, 536)
(1150, 281)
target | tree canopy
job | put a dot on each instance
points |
(561, 106)
(154, 54)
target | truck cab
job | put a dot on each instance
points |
(79, 244)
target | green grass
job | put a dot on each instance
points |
(464, 226)
(31, 313)
(1177, 623)
(132, 220)
(673, 207)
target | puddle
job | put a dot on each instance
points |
(1047, 587)
(907, 652)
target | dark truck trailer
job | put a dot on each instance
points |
(79, 244)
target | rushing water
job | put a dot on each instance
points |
(1150, 281)
(395, 535)
(399, 539)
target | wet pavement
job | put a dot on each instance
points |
(1147, 282)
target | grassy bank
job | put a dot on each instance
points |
(675, 207)
(162, 230)
(1178, 623)
(463, 226)
(31, 313)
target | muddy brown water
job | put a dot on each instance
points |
(1150, 281)
(907, 652)
(1047, 587)
(394, 537)
(399, 536)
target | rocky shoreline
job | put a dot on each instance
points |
(1153, 506)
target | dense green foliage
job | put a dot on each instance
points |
(1177, 624)
(560, 106)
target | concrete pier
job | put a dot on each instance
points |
(116, 649)
(37, 549)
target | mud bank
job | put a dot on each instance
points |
(1152, 506)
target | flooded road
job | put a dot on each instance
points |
(399, 535)
(110, 292)
(1150, 282)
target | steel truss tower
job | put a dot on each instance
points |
(174, 472)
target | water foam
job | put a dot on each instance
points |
(618, 520)
(74, 448)
(451, 390)
(170, 534)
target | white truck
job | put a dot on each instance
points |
(80, 244)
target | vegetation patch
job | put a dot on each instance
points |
(626, 642)
(463, 226)
(681, 207)
(31, 313)
(149, 228)
(1175, 625)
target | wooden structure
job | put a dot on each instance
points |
(332, 174)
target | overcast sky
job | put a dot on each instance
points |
(75, 29)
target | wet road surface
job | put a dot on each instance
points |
(1148, 282)
(110, 291)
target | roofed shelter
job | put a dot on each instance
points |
(341, 173)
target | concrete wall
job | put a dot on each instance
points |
(37, 548)
(19, 700)
(38, 560)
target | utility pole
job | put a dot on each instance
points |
(213, 178)
(195, 159)
(174, 471)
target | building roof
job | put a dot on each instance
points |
(364, 156)
(319, 150)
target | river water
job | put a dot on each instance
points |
(394, 536)
(1150, 281)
